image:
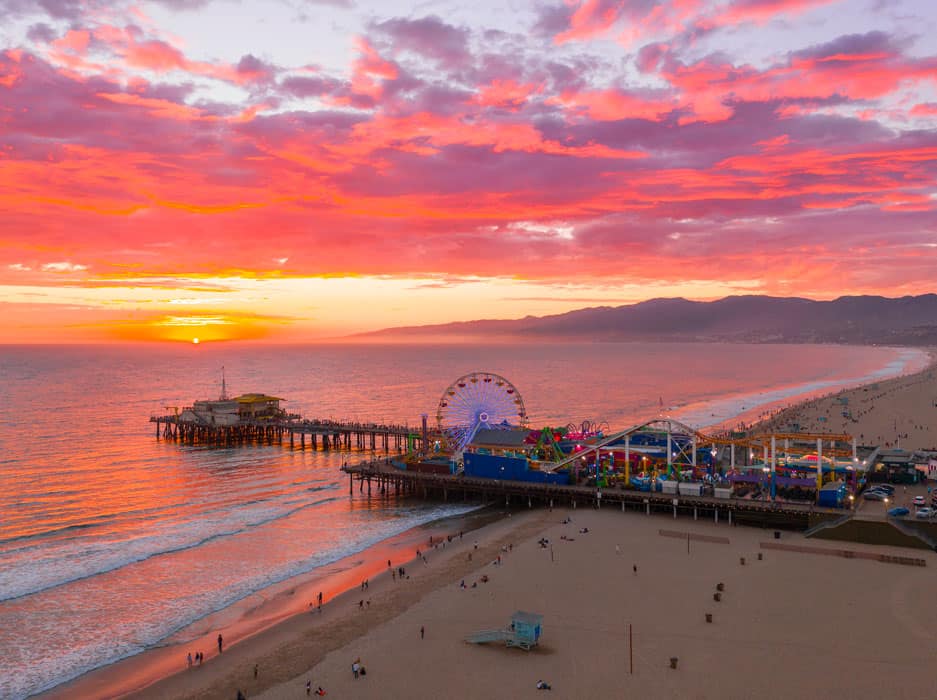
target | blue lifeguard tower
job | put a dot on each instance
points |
(524, 632)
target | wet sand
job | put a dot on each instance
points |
(265, 618)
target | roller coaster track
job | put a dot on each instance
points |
(677, 428)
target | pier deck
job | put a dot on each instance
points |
(329, 435)
(385, 478)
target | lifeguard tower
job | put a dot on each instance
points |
(524, 632)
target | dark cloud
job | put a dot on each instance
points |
(851, 45)
(552, 19)
(55, 9)
(41, 33)
(429, 37)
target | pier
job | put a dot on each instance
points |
(379, 478)
(299, 433)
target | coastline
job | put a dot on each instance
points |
(274, 618)
(895, 412)
(749, 409)
(788, 623)
(263, 611)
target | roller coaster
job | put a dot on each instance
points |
(683, 442)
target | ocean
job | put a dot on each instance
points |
(113, 542)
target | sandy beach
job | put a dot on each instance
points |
(898, 412)
(791, 623)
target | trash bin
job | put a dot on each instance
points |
(709, 617)
(673, 662)
(777, 534)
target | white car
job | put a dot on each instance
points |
(919, 501)
(925, 513)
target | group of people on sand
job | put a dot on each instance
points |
(199, 657)
(357, 668)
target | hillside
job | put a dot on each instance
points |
(751, 319)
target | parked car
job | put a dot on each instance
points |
(919, 501)
(874, 496)
(898, 512)
(887, 488)
(925, 513)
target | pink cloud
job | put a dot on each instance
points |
(506, 94)
(439, 149)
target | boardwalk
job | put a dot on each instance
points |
(329, 435)
(380, 477)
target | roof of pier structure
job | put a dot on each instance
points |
(256, 398)
(501, 439)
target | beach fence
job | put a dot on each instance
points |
(846, 553)
(693, 536)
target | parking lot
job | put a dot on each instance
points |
(902, 497)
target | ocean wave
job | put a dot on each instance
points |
(165, 625)
(13, 571)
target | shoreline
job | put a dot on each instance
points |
(262, 611)
(790, 621)
(876, 412)
(763, 406)
(284, 650)
(281, 607)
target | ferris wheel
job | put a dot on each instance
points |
(475, 401)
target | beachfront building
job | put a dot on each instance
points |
(230, 412)
(258, 407)
(510, 443)
(510, 455)
(896, 466)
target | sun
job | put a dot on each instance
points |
(195, 341)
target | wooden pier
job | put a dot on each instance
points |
(325, 435)
(381, 478)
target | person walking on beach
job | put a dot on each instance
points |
(190, 659)
(422, 631)
(220, 644)
(308, 687)
(355, 668)
(255, 671)
(635, 569)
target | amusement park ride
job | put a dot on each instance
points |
(475, 401)
(661, 446)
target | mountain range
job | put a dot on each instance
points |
(909, 320)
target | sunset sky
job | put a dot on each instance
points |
(289, 170)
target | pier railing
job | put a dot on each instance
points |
(331, 434)
(387, 478)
